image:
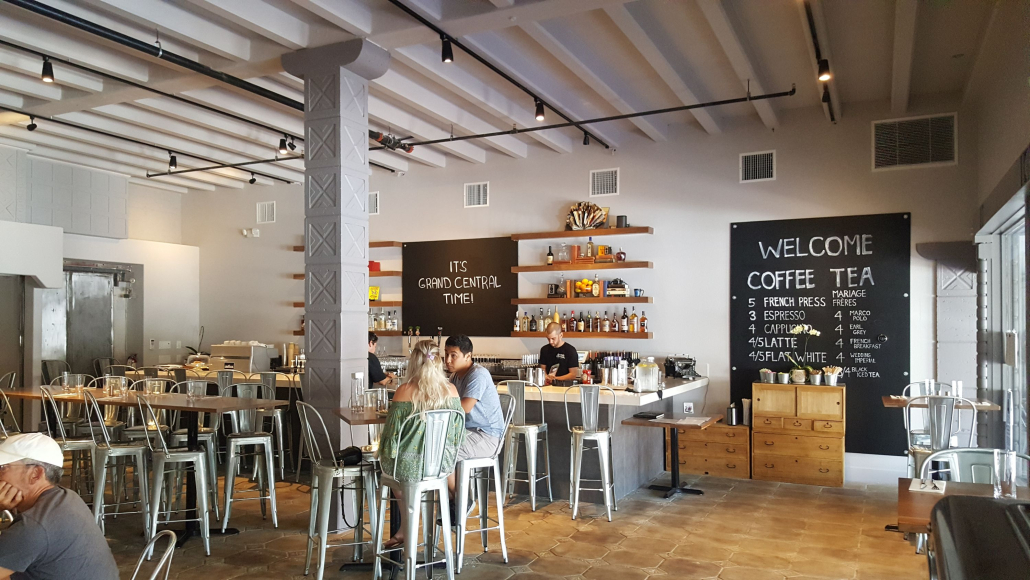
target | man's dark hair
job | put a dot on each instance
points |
(461, 342)
(372, 337)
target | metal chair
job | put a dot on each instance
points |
(146, 428)
(207, 435)
(244, 427)
(76, 446)
(439, 427)
(590, 431)
(968, 465)
(106, 455)
(939, 420)
(163, 563)
(473, 470)
(269, 379)
(530, 432)
(8, 422)
(325, 472)
(178, 457)
(52, 368)
(102, 364)
(111, 385)
(118, 370)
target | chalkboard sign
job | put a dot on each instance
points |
(463, 286)
(847, 277)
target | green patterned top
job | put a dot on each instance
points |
(409, 449)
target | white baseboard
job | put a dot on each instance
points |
(866, 468)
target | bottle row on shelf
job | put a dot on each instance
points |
(587, 254)
(383, 320)
(629, 322)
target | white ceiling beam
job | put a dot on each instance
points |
(351, 15)
(969, 90)
(262, 18)
(105, 165)
(16, 143)
(282, 89)
(661, 65)
(54, 40)
(905, 14)
(824, 52)
(32, 65)
(392, 161)
(157, 185)
(719, 21)
(11, 100)
(579, 68)
(184, 25)
(33, 87)
(427, 61)
(214, 121)
(418, 97)
(400, 120)
(504, 56)
(226, 100)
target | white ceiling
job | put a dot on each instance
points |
(588, 57)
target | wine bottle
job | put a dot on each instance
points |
(550, 256)
(624, 322)
(572, 322)
(580, 324)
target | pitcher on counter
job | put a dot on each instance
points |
(558, 358)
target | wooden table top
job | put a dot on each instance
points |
(282, 380)
(914, 507)
(365, 418)
(649, 423)
(900, 402)
(170, 401)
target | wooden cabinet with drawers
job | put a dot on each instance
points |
(798, 433)
(721, 450)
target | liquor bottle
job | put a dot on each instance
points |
(633, 320)
(557, 319)
(563, 322)
(549, 318)
(615, 321)
(589, 326)
(518, 322)
(524, 323)
(597, 321)
(532, 324)
(590, 247)
(572, 323)
(606, 325)
(550, 256)
(561, 287)
(643, 321)
(596, 288)
(541, 322)
(624, 322)
(580, 324)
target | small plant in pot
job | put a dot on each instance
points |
(767, 376)
(799, 374)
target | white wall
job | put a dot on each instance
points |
(33, 251)
(155, 214)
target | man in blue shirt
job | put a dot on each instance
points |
(484, 420)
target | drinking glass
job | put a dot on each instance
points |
(66, 381)
(154, 386)
(357, 393)
(195, 390)
(1004, 474)
(383, 402)
(78, 382)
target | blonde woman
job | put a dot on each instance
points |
(425, 388)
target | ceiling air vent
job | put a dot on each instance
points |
(266, 212)
(477, 194)
(373, 203)
(758, 166)
(604, 182)
(914, 141)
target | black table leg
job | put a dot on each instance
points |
(676, 487)
(193, 526)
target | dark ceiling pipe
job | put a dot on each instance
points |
(245, 164)
(152, 50)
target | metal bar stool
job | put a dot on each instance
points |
(207, 434)
(70, 414)
(938, 420)
(102, 365)
(103, 454)
(325, 471)
(276, 414)
(76, 446)
(162, 456)
(8, 422)
(244, 425)
(164, 563)
(146, 428)
(442, 431)
(479, 470)
(589, 405)
(530, 432)
(52, 368)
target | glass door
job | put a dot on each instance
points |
(1013, 315)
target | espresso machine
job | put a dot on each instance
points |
(681, 366)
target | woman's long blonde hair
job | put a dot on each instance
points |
(425, 371)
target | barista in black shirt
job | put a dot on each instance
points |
(376, 376)
(558, 352)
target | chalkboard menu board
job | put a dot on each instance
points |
(463, 286)
(847, 277)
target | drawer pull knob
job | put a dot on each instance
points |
(770, 443)
(767, 422)
(797, 423)
(828, 426)
(731, 434)
(770, 465)
(730, 450)
(731, 465)
(824, 447)
(823, 470)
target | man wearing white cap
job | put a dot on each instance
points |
(54, 535)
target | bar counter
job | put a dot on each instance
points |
(638, 453)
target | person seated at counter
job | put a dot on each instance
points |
(560, 353)
(376, 376)
(426, 389)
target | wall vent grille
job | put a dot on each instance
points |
(930, 140)
(373, 203)
(604, 182)
(266, 212)
(477, 194)
(758, 166)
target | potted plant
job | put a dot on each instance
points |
(767, 376)
(799, 374)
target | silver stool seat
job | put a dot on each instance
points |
(264, 470)
(589, 431)
(531, 434)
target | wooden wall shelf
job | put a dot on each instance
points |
(583, 233)
(582, 267)
(370, 244)
(612, 335)
(298, 276)
(384, 304)
(298, 305)
(298, 333)
(388, 333)
(385, 274)
(601, 300)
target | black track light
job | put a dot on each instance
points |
(824, 70)
(172, 163)
(291, 144)
(539, 110)
(32, 124)
(282, 146)
(252, 179)
(586, 138)
(48, 71)
(826, 95)
(446, 54)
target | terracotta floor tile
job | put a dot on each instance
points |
(682, 568)
(742, 573)
(633, 558)
(582, 550)
(559, 566)
(613, 572)
(824, 568)
(766, 561)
